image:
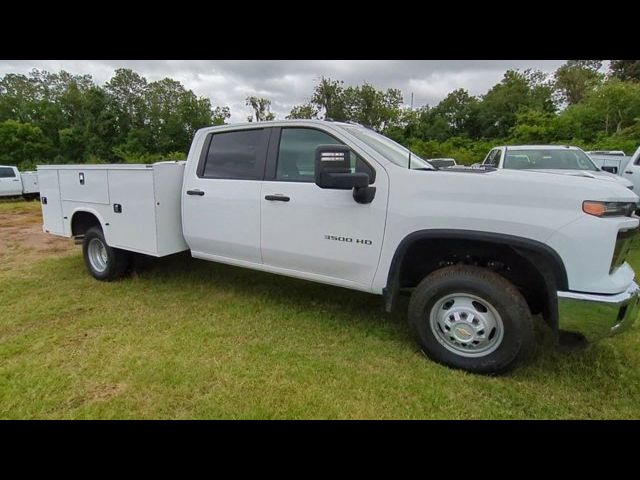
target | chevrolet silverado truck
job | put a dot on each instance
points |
(480, 251)
(14, 183)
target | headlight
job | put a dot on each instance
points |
(608, 209)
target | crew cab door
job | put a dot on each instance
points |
(316, 233)
(221, 197)
(10, 182)
(632, 171)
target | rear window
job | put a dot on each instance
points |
(6, 172)
(236, 155)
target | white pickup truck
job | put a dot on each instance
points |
(14, 183)
(480, 250)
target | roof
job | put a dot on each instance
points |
(540, 147)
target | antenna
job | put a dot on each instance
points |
(411, 108)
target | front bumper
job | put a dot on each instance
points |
(598, 316)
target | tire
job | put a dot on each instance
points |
(471, 318)
(103, 262)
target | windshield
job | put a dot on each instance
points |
(562, 159)
(388, 148)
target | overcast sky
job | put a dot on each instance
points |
(290, 82)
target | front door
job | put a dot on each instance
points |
(221, 202)
(316, 233)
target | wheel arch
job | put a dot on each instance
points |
(83, 219)
(540, 260)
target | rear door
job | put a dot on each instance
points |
(10, 183)
(221, 201)
(321, 234)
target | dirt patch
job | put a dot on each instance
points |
(22, 239)
(97, 393)
(105, 392)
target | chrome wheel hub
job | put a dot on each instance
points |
(466, 325)
(97, 253)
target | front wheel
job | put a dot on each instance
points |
(471, 318)
(103, 262)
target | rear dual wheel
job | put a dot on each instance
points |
(471, 318)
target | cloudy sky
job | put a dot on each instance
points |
(290, 82)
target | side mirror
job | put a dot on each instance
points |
(333, 170)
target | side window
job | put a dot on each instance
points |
(493, 159)
(496, 158)
(297, 151)
(236, 155)
(6, 172)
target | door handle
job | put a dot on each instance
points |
(630, 173)
(277, 198)
(195, 192)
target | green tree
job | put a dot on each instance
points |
(306, 110)
(371, 107)
(328, 97)
(261, 108)
(499, 107)
(576, 78)
(21, 144)
(625, 69)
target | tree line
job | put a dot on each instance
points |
(578, 104)
(64, 118)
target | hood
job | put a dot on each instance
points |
(598, 175)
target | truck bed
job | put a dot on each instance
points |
(138, 206)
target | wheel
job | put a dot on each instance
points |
(103, 262)
(471, 318)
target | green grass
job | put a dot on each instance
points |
(184, 338)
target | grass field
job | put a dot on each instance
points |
(183, 338)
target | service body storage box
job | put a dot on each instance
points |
(138, 206)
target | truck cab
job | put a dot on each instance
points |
(10, 181)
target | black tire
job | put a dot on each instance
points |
(117, 261)
(517, 330)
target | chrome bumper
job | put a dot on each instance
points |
(598, 316)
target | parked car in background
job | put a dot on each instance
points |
(610, 163)
(15, 184)
(631, 170)
(565, 160)
(442, 162)
(480, 251)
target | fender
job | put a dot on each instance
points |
(533, 250)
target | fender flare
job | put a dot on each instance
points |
(523, 246)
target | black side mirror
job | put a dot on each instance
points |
(333, 170)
